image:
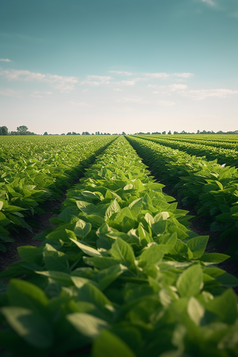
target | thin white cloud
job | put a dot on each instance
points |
(157, 75)
(127, 83)
(206, 93)
(117, 89)
(183, 75)
(133, 99)
(121, 72)
(5, 60)
(170, 87)
(210, 2)
(62, 83)
(96, 81)
(167, 75)
(10, 93)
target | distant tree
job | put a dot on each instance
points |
(73, 133)
(198, 132)
(86, 133)
(45, 133)
(123, 133)
(22, 129)
(156, 133)
(176, 132)
(3, 130)
(69, 133)
(164, 132)
(169, 132)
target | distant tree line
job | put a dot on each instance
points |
(185, 132)
(21, 130)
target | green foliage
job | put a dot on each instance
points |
(119, 275)
(210, 187)
(37, 169)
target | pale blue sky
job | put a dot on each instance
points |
(119, 65)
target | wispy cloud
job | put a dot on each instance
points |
(167, 75)
(62, 83)
(10, 93)
(127, 83)
(206, 93)
(121, 72)
(96, 81)
(210, 2)
(170, 87)
(5, 60)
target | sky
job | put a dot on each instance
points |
(119, 65)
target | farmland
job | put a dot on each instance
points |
(121, 273)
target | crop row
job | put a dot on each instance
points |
(219, 141)
(211, 188)
(121, 275)
(223, 156)
(33, 171)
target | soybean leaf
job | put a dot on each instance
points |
(151, 256)
(86, 324)
(107, 276)
(86, 249)
(33, 328)
(123, 252)
(24, 294)
(108, 344)
(190, 281)
(55, 260)
(195, 310)
(82, 228)
(224, 306)
(198, 245)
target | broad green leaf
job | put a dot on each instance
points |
(29, 253)
(152, 255)
(90, 293)
(82, 228)
(214, 257)
(198, 245)
(33, 328)
(61, 277)
(113, 208)
(123, 252)
(136, 207)
(195, 310)
(86, 249)
(227, 280)
(24, 294)
(162, 216)
(101, 262)
(55, 260)
(190, 281)
(224, 306)
(108, 344)
(86, 324)
(107, 276)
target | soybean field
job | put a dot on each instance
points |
(120, 272)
